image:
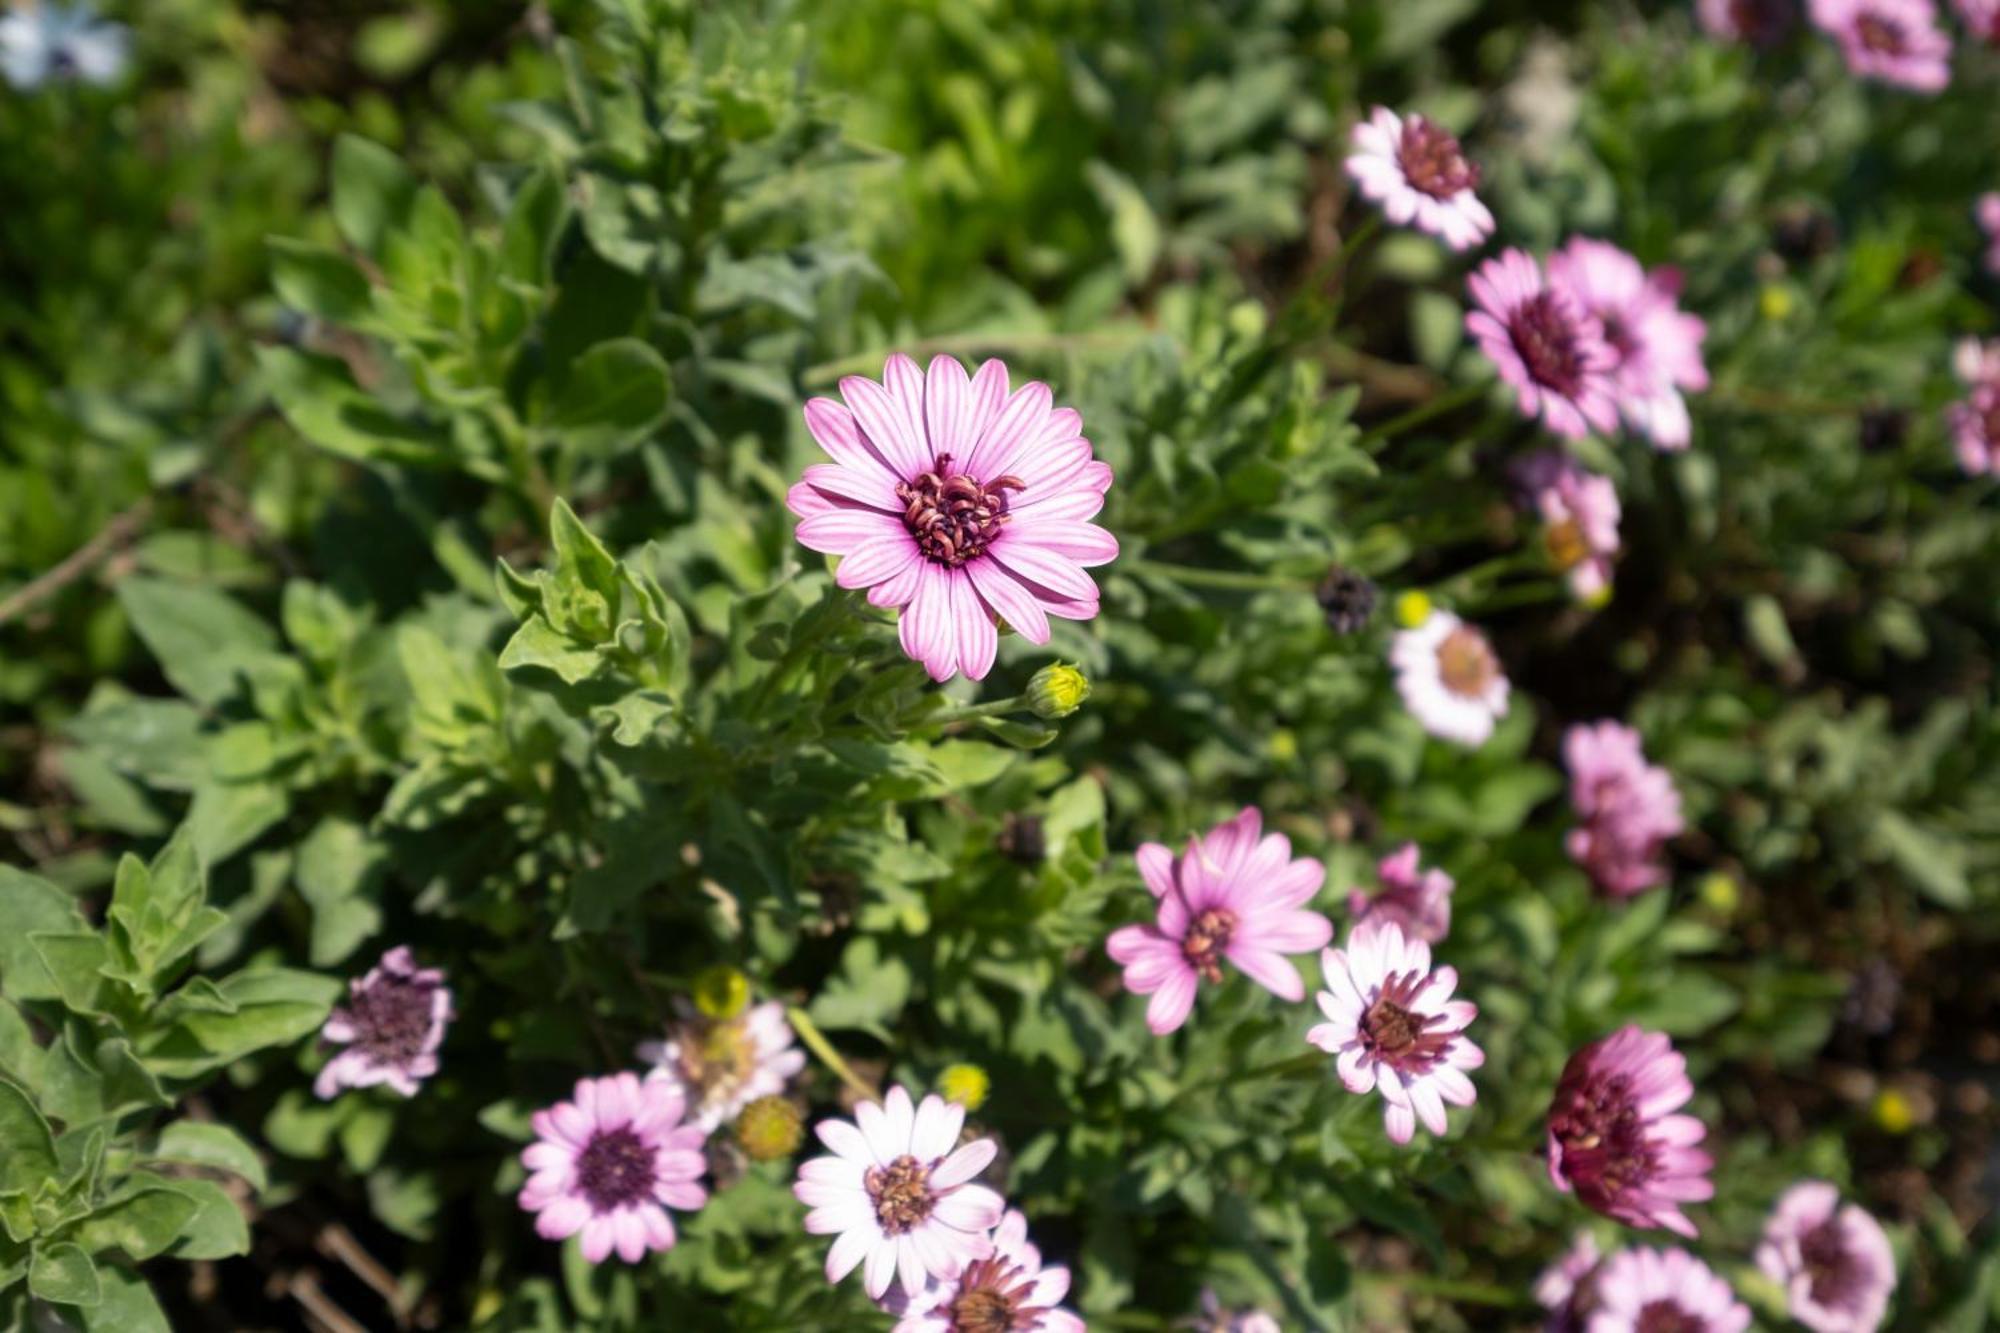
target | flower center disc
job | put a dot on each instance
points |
(1604, 1143)
(716, 1054)
(1466, 663)
(1432, 162)
(1545, 337)
(1666, 1317)
(1824, 1252)
(952, 515)
(1207, 937)
(615, 1168)
(1879, 34)
(902, 1194)
(391, 1019)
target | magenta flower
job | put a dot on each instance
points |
(1614, 1138)
(1761, 23)
(1655, 346)
(1450, 678)
(1628, 808)
(392, 1025)
(1975, 420)
(721, 1065)
(609, 1163)
(1833, 1262)
(1394, 1028)
(1415, 169)
(1232, 895)
(1545, 343)
(1567, 1287)
(1987, 210)
(1579, 512)
(1417, 900)
(1981, 19)
(1007, 1292)
(1663, 1291)
(897, 1194)
(1894, 41)
(958, 503)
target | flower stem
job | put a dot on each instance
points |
(1417, 416)
(817, 1043)
(971, 712)
(1238, 580)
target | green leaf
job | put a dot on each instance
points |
(612, 397)
(200, 637)
(76, 960)
(534, 222)
(216, 1230)
(869, 993)
(372, 191)
(539, 644)
(62, 1274)
(127, 1306)
(204, 1143)
(315, 280)
(27, 1148)
(157, 740)
(226, 817)
(274, 1006)
(320, 399)
(30, 906)
(21, 1057)
(142, 1223)
(338, 870)
(157, 913)
(1935, 862)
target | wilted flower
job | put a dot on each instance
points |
(1395, 1029)
(1007, 1292)
(1232, 895)
(1417, 900)
(770, 1128)
(391, 1026)
(957, 502)
(1021, 839)
(49, 40)
(1579, 512)
(610, 1163)
(1663, 1291)
(1545, 343)
(1449, 678)
(1975, 419)
(1758, 22)
(1894, 41)
(1614, 1138)
(1416, 170)
(897, 1194)
(1347, 599)
(1057, 691)
(721, 1065)
(1655, 346)
(1628, 808)
(1215, 1319)
(1987, 210)
(1833, 1261)
(1566, 1287)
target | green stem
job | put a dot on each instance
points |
(1417, 416)
(1451, 1289)
(817, 1043)
(971, 712)
(1240, 580)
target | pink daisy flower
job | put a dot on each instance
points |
(1987, 210)
(1894, 41)
(897, 1194)
(391, 1026)
(1449, 678)
(1415, 169)
(1834, 1263)
(1007, 1292)
(1395, 1029)
(1614, 1138)
(1417, 900)
(1655, 346)
(1975, 420)
(1628, 808)
(609, 1163)
(959, 503)
(1232, 895)
(1214, 1318)
(1663, 1291)
(1759, 22)
(1566, 1287)
(1579, 512)
(721, 1065)
(1982, 20)
(1545, 343)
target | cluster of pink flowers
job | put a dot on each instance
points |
(1628, 808)
(1579, 511)
(1417, 900)
(1975, 420)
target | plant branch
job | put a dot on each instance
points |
(112, 537)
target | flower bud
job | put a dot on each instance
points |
(721, 992)
(965, 1084)
(770, 1128)
(1057, 691)
(1413, 608)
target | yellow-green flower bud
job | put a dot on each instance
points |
(1057, 691)
(1720, 894)
(1413, 608)
(1893, 1111)
(965, 1084)
(770, 1128)
(721, 992)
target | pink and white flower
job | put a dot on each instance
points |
(721, 1065)
(1579, 511)
(1894, 41)
(1544, 343)
(1235, 894)
(1987, 211)
(391, 1027)
(1982, 20)
(959, 503)
(1416, 170)
(1449, 678)
(1975, 419)
(1009, 1291)
(1615, 1137)
(1655, 346)
(609, 1163)
(1628, 808)
(1417, 900)
(897, 1194)
(1833, 1261)
(1663, 1291)
(1394, 1028)
(1566, 1288)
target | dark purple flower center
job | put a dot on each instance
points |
(1207, 936)
(1834, 1275)
(1545, 335)
(1605, 1150)
(616, 1168)
(1432, 161)
(1760, 22)
(1397, 1034)
(1667, 1317)
(993, 1298)
(1880, 34)
(953, 515)
(391, 1017)
(1466, 663)
(902, 1194)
